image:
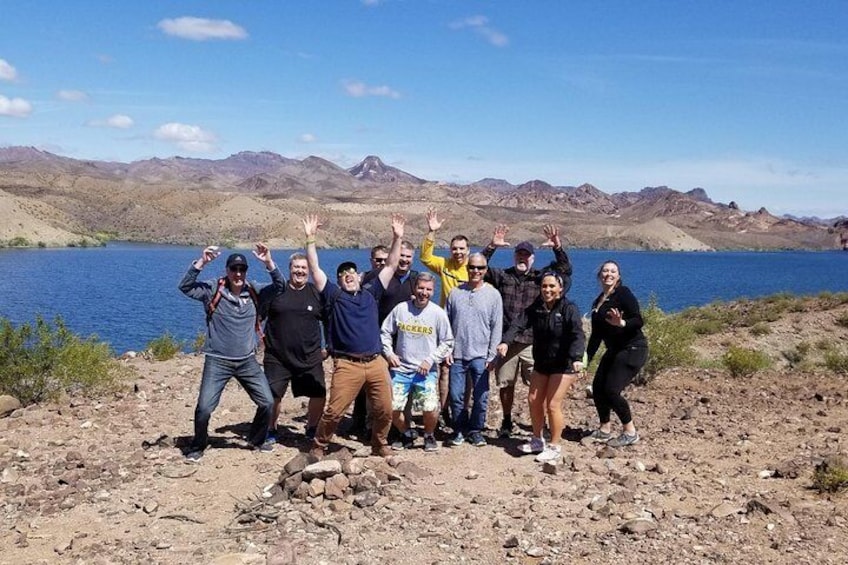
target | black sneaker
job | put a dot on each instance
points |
(310, 432)
(476, 439)
(266, 446)
(506, 429)
(398, 445)
(406, 441)
(430, 443)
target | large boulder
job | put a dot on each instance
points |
(8, 404)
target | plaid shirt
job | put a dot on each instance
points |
(518, 291)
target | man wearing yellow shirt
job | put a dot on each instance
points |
(452, 272)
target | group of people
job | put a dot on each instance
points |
(396, 352)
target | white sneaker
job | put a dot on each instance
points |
(551, 453)
(535, 445)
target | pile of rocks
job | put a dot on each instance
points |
(342, 480)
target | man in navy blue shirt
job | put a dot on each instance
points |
(353, 333)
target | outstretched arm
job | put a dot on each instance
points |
(561, 264)
(189, 285)
(263, 253)
(387, 272)
(311, 223)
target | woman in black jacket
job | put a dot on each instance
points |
(617, 321)
(558, 345)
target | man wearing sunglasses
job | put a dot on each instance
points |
(231, 340)
(353, 332)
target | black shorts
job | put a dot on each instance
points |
(307, 382)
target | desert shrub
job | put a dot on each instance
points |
(831, 475)
(199, 341)
(164, 347)
(842, 321)
(797, 354)
(40, 361)
(824, 344)
(760, 329)
(836, 361)
(744, 362)
(670, 341)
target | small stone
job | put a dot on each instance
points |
(86, 425)
(472, 475)
(366, 499)
(150, 507)
(322, 469)
(9, 475)
(765, 474)
(639, 466)
(550, 468)
(638, 526)
(63, 546)
(511, 541)
(534, 551)
(598, 501)
(724, 510)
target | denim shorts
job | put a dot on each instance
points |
(424, 390)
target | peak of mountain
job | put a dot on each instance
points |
(372, 169)
(498, 185)
(536, 185)
(700, 194)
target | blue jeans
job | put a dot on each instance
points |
(463, 369)
(216, 374)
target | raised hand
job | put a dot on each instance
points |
(263, 253)
(614, 317)
(398, 223)
(499, 235)
(552, 233)
(208, 255)
(433, 221)
(311, 223)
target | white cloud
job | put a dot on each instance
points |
(307, 138)
(480, 26)
(201, 29)
(14, 107)
(358, 89)
(117, 121)
(72, 95)
(187, 137)
(7, 71)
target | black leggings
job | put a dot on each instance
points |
(616, 370)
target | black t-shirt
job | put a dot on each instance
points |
(292, 330)
(396, 293)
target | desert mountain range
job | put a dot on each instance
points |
(50, 200)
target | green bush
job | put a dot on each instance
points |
(842, 321)
(744, 362)
(760, 329)
(670, 341)
(836, 361)
(797, 354)
(164, 347)
(41, 361)
(199, 341)
(831, 475)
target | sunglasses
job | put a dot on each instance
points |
(379, 259)
(350, 271)
(476, 267)
(239, 269)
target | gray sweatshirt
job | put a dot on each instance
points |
(231, 333)
(422, 334)
(477, 321)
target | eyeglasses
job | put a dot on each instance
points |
(476, 267)
(239, 269)
(379, 259)
(350, 271)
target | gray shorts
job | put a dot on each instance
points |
(517, 361)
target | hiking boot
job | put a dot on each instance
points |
(535, 445)
(430, 443)
(600, 436)
(381, 450)
(457, 439)
(623, 440)
(476, 439)
(194, 456)
(506, 430)
(551, 453)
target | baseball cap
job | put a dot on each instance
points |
(236, 259)
(525, 246)
(345, 266)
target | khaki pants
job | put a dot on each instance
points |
(348, 378)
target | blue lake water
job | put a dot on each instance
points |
(127, 294)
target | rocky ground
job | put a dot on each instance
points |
(722, 474)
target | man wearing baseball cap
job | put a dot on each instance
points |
(519, 287)
(353, 335)
(232, 323)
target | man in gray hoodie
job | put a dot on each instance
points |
(232, 325)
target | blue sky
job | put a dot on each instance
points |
(748, 100)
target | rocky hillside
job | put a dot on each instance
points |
(722, 475)
(54, 200)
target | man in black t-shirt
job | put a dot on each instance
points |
(293, 344)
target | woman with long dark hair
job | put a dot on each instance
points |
(558, 345)
(617, 321)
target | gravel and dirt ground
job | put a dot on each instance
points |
(723, 474)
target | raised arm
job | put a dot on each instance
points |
(561, 263)
(263, 253)
(311, 223)
(493, 275)
(425, 253)
(387, 272)
(189, 285)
